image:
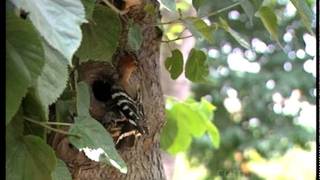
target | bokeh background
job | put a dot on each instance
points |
(264, 97)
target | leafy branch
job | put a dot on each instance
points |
(181, 19)
(196, 25)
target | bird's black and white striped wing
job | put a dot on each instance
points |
(127, 106)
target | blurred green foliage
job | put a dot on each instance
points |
(185, 120)
(258, 81)
(256, 125)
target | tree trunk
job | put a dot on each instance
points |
(143, 159)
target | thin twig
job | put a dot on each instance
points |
(221, 10)
(113, 7)
(180, 19)
(178, 38)
(51, 128)
(59, 123)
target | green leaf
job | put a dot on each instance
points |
(65, 109)
(61, 171)
(305, 13)
(213, 134)
(89, 7)
(256, 4)
(197, 3)
(57, 21)
(94, 137)
(192, 119)
(174, 64)
(196, 68)
(199, 28)
(53, 79)
(269, 20)
(83, 99)
(204, 7)
(186, 120)
(15, 128)
(32, 108)
(206, 108)
(135, 36)
(24, 61)
(9, 6)
(169, 4)
(48, 87)
(181, 142)
(244, 43)
(248, 8)
(169, 133)
(100, 37)
(29, 157)
(175, 136)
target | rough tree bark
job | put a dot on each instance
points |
(143, 159)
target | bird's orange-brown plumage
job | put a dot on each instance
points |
(127, 64)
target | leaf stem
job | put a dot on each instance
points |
(178, 38)
(221, 10)
(113, 7)
(180, 19)
(59, 123)
(50, 128)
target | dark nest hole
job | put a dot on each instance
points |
(118, 126)
(99, 76)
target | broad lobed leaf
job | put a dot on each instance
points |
(174, 64)
(199, 28)
(27, 157)
(61, 171)
(57, 21)
(243, 42)
(196, 68)
(185, 120)
(89, 7)
(53, 79)
(83, 99)
(30, 158)
(269, 20)
(197, 3)
(100, 36)
(305, 13)
(170, 131)
(24, 61)
(248, 8)
(93, 136)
